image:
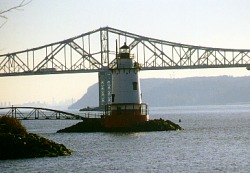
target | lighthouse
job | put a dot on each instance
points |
(126, 108)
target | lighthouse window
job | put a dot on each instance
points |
(135, 85)
(113, 97)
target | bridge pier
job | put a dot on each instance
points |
(36, 114)
(13, 112)
(105, 88)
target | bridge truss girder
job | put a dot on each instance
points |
(95, 51)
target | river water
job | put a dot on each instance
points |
(215, 139)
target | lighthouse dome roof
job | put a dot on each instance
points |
(124, 46)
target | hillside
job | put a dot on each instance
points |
(185, 91)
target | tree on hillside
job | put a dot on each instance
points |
(19, 6)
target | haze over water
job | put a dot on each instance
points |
(215, 139)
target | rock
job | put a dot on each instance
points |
(96, 125)
(16, 146)
(16, 142)
(87, 125)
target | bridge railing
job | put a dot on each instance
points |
(91, 115)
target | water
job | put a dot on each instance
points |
(215, 139)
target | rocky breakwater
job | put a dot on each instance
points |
(97, 125)
(16, 142)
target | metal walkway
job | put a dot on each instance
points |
(36, 113)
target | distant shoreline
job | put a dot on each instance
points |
(192, 91)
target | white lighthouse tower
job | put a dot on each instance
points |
(126, 108)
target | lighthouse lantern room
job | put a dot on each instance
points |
(126, 108)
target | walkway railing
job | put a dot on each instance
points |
(37, 113)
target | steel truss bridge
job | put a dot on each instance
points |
(36, 113)
(95, 51)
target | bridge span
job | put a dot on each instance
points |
(95, 51)
(37, 113)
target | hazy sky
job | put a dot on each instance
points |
(212, 23)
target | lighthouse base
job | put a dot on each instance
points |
(120, 121)
(125, 115)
